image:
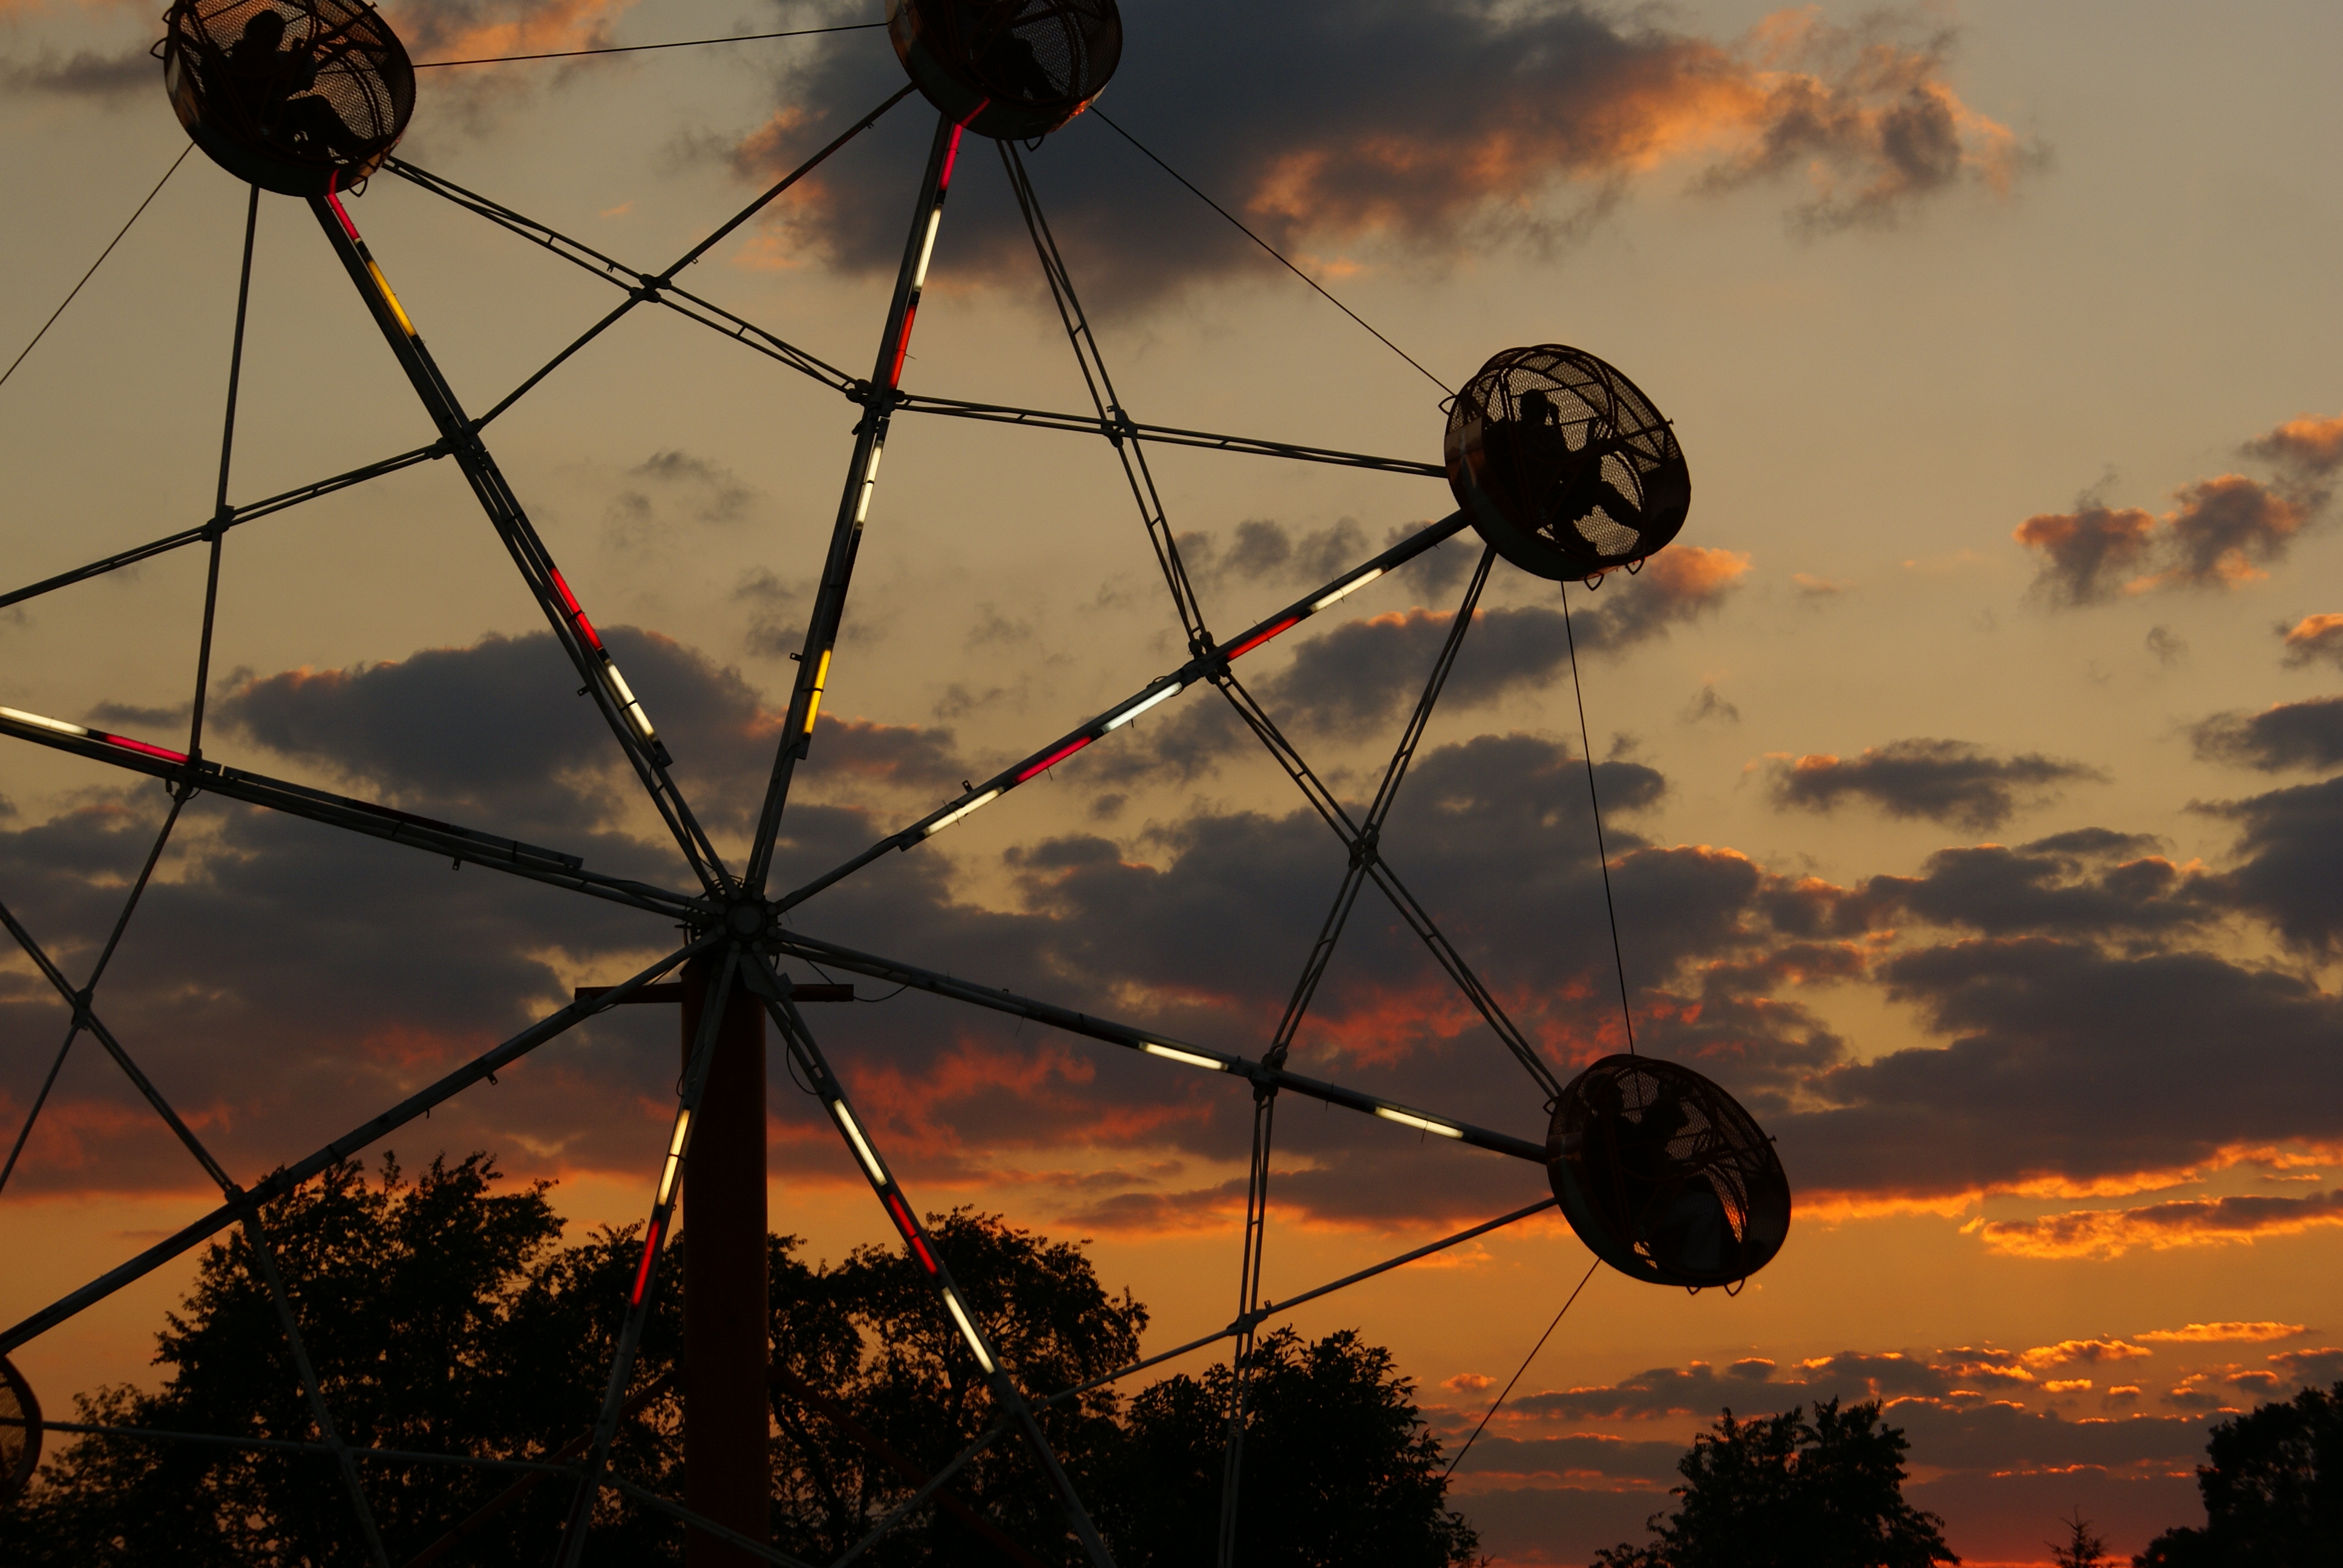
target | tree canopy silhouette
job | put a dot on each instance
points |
(1782, 1492)
(446, 1317)
(2273, 1491)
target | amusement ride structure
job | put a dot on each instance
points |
(1557, 461)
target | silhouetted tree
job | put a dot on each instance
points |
(440, 1317)
(1338, 1468)
(1780, 1492)
(446, 1318)
(2273, 1491)
(2081, 1548)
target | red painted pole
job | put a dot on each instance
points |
(726, 1323)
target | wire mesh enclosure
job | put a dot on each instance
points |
(1664, 1176)
(1563, 463)
(297, 97)
(20, 1431)
(1009, 69)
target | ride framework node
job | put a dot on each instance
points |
(1560, 463)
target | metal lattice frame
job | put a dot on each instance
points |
(730, 915)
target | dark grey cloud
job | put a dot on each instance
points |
(2308, 448)
(1710, 705)
(1264, 551)
(698, 488)
(1434, 127)
(2313, 638)
(1950, 781)
(2307, 734)
(2091, 884)
(2087, 554)
(2289, 871)
(87, 73)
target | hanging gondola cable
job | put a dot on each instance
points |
(639, 48)
(1519, 1371)
(1602, 855)
(93, 266)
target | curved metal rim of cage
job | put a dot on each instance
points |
(1540, 545)
(1766, 1187)
(991, 108)
(19, 1476)
(219, 122)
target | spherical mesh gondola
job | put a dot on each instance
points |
(20, 1431)
(1664, 1176)
(297, 97)
(1008, 69)
(1563, 465)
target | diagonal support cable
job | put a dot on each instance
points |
(1248, 1315)
(903, 1510)
(1111, 414)
(579, 1519)
(221, 512)
(636, 737)
(1365, 846)
(799, 1040)
(285, 1180)
(854, 505)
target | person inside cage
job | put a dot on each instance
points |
(277, 84)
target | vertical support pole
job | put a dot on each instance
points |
(726, 1322)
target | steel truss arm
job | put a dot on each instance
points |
(463, 845)
(628, 723)
(204, 532)
(282, 1181)
(799, 1041)
(1287, 1305)
(1123, 428)
(1204, 666)
(1364, 846)
(813, 950)
(854, 503)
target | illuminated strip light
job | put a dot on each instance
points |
(967, 1329)
(674, 1155)
(390, 298)
(948, 817)
(643, 1274)
(577, 611)
(1170, 1053)
(80, 732)
(628, 704)
(926, 249)
(1257, 638)
(820, 678)
(854, 1136)
(1054, 757)
(928, 246)
(1404, 1119)
(1142, 705)
(902, 1217)
(869, 483)
(1345, 591)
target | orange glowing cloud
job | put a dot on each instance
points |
(2225, 1333)
(2186, 1222)
(2315, 636)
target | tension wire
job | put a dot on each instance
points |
(1602, 856)
(1517, 1374)
(638, 48)
(93, 266)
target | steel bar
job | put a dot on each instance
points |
(550, 1465)
(902, 1511)
(1405, 903)
(629, 724)
(1365, 847)
(1267, 1308)
(1163, 689)
(1150, 1042)
(1248, 1315)
(579, 1520)
(854, 502)
(1167, 435)
(465, 845)
(1106, 405)
(24, 1133)
(808, 1054)
(220, 509)
(282, 1181)
(649, 1499)
(244, 514)
(779, 1376)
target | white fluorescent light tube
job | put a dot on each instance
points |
(926, 249)
(1144, 704)
(1404, 1119)
(1190, 1057)
(682, 1124)
(1346, 590)
(854, 1136)
(966, 1329)
(59, 724)
(948, 817)
(667, 1178)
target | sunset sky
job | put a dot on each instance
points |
(1972, 766)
